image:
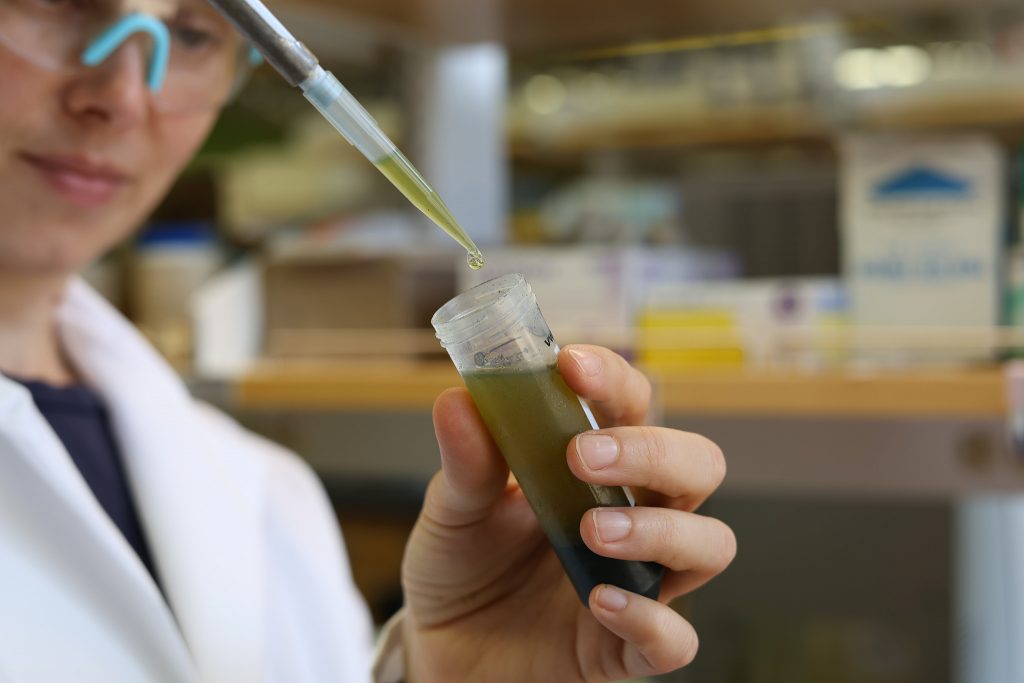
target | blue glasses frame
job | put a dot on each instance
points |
(106, 43)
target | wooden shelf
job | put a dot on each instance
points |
(778, 124)
(903, 395)
(412, 386)
(372, 386)
(997, 110)
(545, 25)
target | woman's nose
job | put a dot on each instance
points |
(116, 90)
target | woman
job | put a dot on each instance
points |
(144, 537)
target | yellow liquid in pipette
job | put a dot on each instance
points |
(431, 205)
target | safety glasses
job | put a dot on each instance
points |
(194, 60)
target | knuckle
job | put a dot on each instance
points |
(653, 451)
(679, 651)
(663, 642)
(638, 662)
(435, 486)
(667, 536)
(717, 466)
(725, 547)
(644, 390)
(687, 650)
(668, 533)
(434, 499)
(636, 384)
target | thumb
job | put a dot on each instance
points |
(474, 474)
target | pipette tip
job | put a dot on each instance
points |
(476, 259)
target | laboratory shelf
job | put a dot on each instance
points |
(352, 385)
(906, 394)
(413, 386)
(995, 109)
(536, 26)
(758, 125)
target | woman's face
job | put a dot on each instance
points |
(84, 157)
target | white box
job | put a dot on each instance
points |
(597, 288)
(750, 317)
(922, 221)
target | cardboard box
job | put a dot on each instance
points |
(309, 297)
(922, 224)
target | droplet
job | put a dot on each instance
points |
(476, 260)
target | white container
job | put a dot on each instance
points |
(170, 265)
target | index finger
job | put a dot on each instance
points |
(618, 393)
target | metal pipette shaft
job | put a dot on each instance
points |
(261, 28)
(301, 69)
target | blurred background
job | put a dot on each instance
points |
(799, 217)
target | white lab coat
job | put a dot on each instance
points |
(255, 581)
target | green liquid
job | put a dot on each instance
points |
(532, 416)
(416, 190)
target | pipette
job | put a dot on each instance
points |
(297, 64)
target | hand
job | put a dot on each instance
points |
(487, 599)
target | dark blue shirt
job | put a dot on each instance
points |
(79, 417)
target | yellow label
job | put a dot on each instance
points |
(690, 339)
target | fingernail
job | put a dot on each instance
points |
(589, 363)
(597, 451)
(612, 526)
(611, 599)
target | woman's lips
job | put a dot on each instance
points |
(80, 181)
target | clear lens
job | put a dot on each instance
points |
(51, 33)
(207, 60)
(202, 81)
(207, 57)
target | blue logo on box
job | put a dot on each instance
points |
(921, 182)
